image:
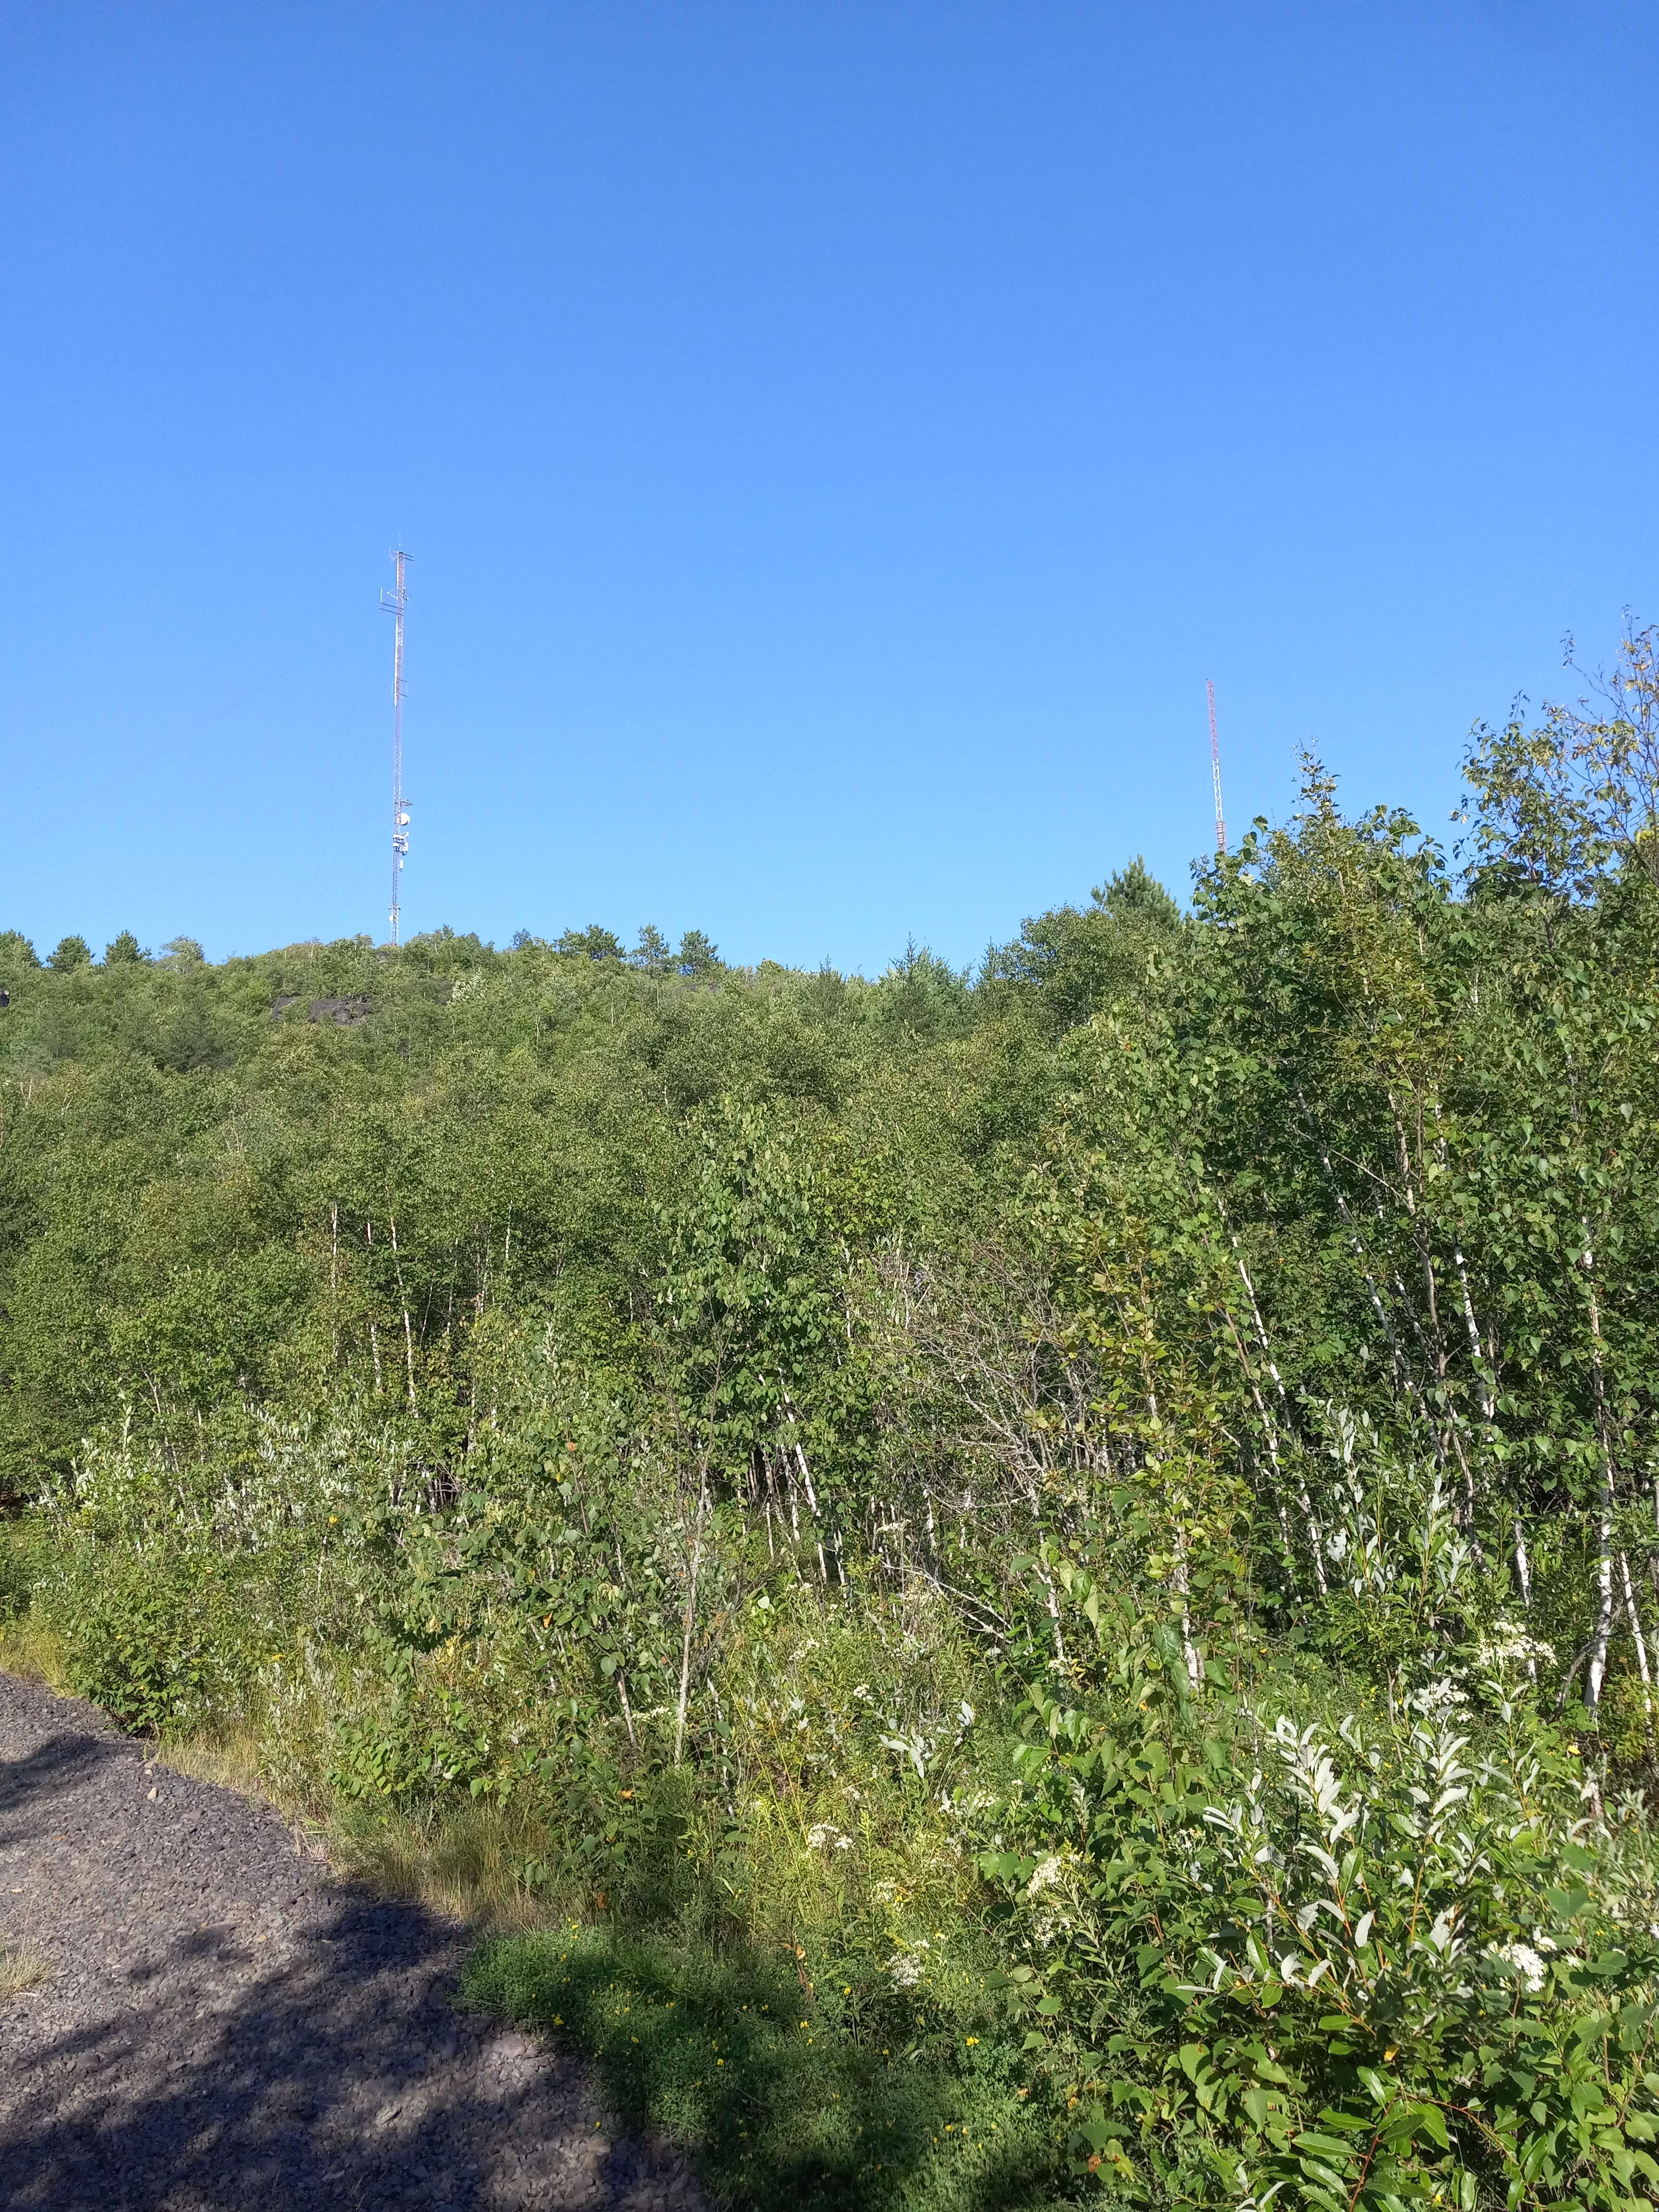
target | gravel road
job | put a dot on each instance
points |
(225, 2026)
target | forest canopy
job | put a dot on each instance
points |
(1106, 1508)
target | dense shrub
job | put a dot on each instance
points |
(1091, 1527)
(153, 1639)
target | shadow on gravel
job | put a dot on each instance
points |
(54, 1766)
(332, 2082)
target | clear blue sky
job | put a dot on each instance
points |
(836, 439)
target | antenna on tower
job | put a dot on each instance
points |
(393, 603)
(1215, 768)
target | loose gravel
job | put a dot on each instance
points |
(226, 2028)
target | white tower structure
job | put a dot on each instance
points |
(1215, 757)
(393, 603)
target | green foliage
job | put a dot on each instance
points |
(18, 1569)
(761, 2070)
(1074, 964)
(1361, 1966)
(1089, 1531)
(592, 943)
(140, 1639)
(697, 955)
(651, 951)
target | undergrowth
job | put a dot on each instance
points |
(999, 1590)
(794, 2097)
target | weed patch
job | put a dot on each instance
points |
(786, 2109)
(19, 1970)
(31, 1650)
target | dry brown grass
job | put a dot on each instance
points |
(28, 1649)
(461, 1862)
(231, 1761)
(19, 1970)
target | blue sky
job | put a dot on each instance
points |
(835, 441)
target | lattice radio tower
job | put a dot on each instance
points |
(393, 603)
(1215, 760)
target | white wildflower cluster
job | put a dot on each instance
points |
(1058, 1912)
(826, 1837)
(1046, 1876)
(1509, 1645)
(905, 1970)
(1527, 1961)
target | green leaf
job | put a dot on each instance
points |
(1310, 2139)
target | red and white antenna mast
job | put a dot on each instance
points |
(1215, 772)
(393, 603)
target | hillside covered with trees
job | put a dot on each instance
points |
(1031, 1584)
